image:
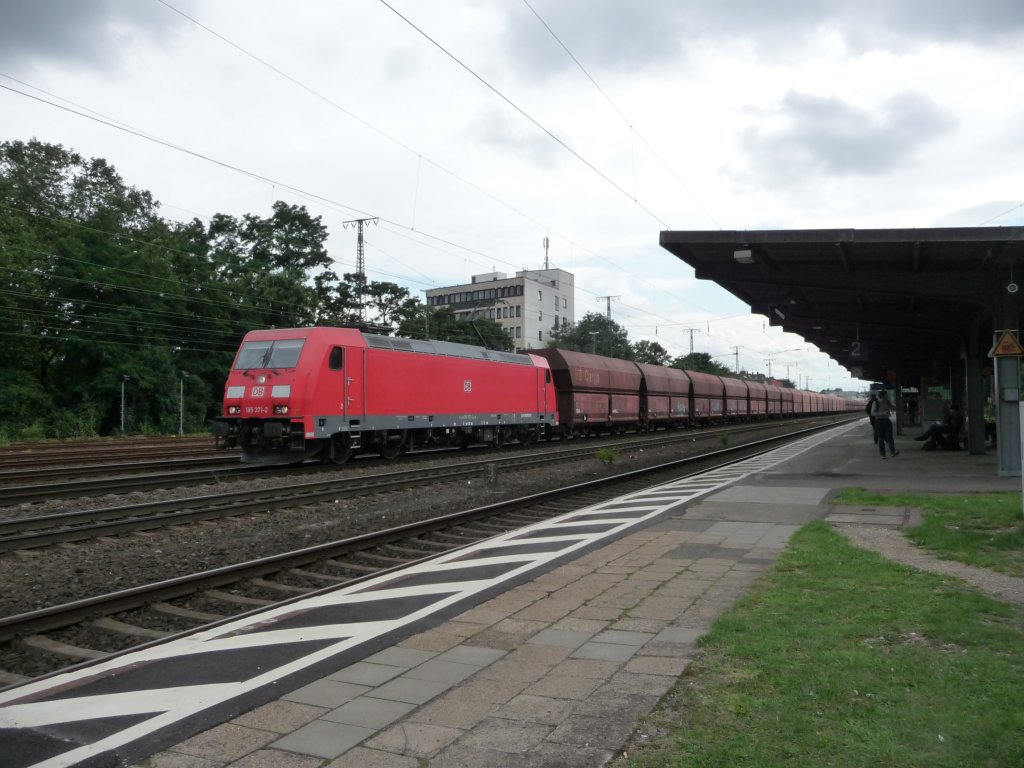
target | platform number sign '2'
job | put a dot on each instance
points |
(467, 385)
(858, 350)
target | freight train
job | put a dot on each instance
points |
(331, 393)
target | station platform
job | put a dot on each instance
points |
(537, 648)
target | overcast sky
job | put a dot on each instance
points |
(476, 129)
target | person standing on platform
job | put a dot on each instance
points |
(870, 410)
(883, 411)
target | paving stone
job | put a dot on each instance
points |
(226, 742)
(280, 716)
(369, 712)
(609, 732)
(326, 693)
(505, 735)
(271, 758)
(435, 640)
(593, 669)
(171, 759)
(632, 682)
(553, 755)
(536, 709)
(453, 710)
(367, 673)
(459, 756)
(400, 656)
(548, 655)
(323, 738)
(362, 757)
(604, 651)
(410, 691)
(560, 637)
(491, 691)
(440, 671)
(472, 654)
(417, 739)
(563, 686)
(509, 670)
(653, 665)
(604, 703)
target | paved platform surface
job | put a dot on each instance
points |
(556, 671)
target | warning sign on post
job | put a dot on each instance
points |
(1006, 345)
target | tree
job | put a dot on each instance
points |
(443, 324)
(700, 361)
(597, 334)
(652, 352)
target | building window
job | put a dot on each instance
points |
(519, 331)
(540, 295)
(540, 315)
(565, 303)
(519, 311)
(540, 336)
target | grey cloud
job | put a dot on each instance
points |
(517, 138)
(829, 136)
(90, 33)
(609, 35)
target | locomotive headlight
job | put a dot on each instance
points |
(234, 410)
(281, 410)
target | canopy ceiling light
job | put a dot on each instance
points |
(745, 256)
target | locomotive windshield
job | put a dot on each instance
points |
(283, 353)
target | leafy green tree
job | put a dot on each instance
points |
(597, 334)
(442, 323)
(702, 362)
(652, 352)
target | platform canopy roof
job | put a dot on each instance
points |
(884, 303)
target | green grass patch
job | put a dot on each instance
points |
(839, 657)
(607, 455)
(984, 529)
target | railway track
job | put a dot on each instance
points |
(43, 476)
(153, 475)
(44, 641)
(90, 451)
(30, 532)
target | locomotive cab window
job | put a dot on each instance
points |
(283, 353)
(337, 359)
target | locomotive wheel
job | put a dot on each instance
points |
(526, 438)
(342, 449)
(391, 447)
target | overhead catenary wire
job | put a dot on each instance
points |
(632, 128)
(119, 125)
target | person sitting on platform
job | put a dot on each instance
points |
(944, 434)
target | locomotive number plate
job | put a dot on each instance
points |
(467, 385)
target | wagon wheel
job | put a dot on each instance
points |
(341, 449)
(391, 446)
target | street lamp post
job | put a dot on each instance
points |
(182, 375)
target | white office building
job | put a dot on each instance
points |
(527, 306)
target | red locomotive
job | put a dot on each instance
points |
(333, 392)
(330, 393)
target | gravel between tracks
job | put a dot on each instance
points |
(44, 577)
